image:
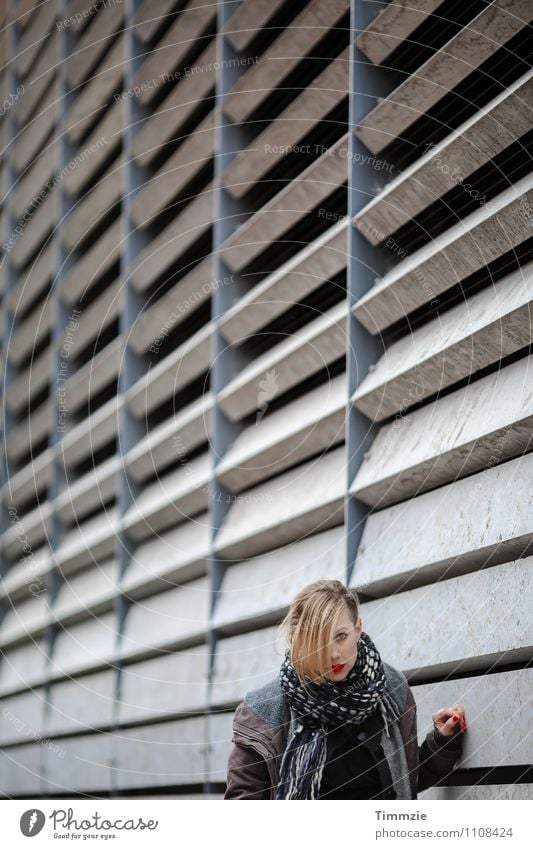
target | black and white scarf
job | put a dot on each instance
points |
(328, 704)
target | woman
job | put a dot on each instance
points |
(338, 722)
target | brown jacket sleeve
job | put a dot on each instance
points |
(435, 758)
(248, 776)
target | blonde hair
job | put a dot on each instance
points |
(310, 623)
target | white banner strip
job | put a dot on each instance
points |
(217, 824)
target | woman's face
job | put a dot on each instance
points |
(344, 646)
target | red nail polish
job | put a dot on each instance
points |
(455, 718)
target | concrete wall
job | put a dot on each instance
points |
(266, 317)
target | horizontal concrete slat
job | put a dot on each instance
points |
(147, 23)
(31, 183)
(487, 422)
(25, 13)
(184, 432)
(465, 525)
(87, 593)
(31, 332)
(295, 201)
(84, 646)
(30, 432)
(22, 667)
(26, 576)
(172, 619)
(190, 224)
(94, 375)
(176, 683)
(187, 32)
(42, 75)
(498, 715)
(93, 264)
(152, 326)
(97, 148)
(32, 138)
(81, 704)
(28, 619)
(92, 321)
(188, 294)
(285, 509)
(91, 434)
(31, 284)
(88, 542)
(34, 37)
(292, 46)
(38, 229)
(264, 586)
(305, 352)
(79, 15)
(248, 19)
(392, 25)
(474, 334)
(303, 428)
(30, 382)
(451, 162)
(97, 203)
(30, 480)
(167, 183)
(190, 360)
(309, 107)
(244, 663)
(22, 717)
(92, 490)
(443, 71)
(92, 99)
(172, 557)
(34, 527)
(20, 771)
(319, 261)
(471, 622)
(471, 244)
(177, 108)
(484, 792)
(93, 44)
(170, 753)
(81, 764)
(173, 498)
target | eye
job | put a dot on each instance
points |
(341, 637)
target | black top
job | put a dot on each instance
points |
(356, 767)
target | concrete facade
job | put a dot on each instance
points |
(266, 301)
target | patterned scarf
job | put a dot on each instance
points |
(323, 705)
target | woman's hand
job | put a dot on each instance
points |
(446, 719)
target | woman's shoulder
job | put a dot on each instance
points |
(267, 702)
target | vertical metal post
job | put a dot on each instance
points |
(367, 83)
(131, 367)
(227, 286)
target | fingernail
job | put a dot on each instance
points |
(455, 718)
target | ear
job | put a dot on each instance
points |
(358, 627)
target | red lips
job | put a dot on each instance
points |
(338, 667)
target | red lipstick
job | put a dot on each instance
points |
(336, 668)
